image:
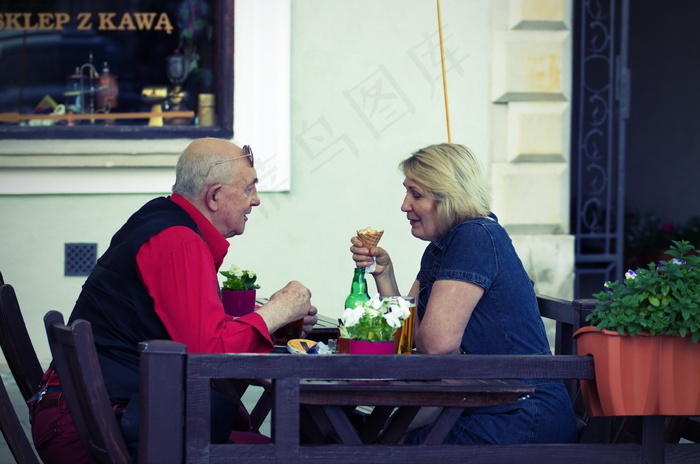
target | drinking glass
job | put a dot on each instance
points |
(404, 336)
(288, 332)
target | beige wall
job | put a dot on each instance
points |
(508, 76)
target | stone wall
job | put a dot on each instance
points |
(530, 92)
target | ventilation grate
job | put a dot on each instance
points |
(80, 258)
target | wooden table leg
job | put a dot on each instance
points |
(653, 439)
(398, 424)
(316, 429)
(443, 425)
(375, 423)
(347, 433)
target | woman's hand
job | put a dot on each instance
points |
(363, 256)
(383, 273)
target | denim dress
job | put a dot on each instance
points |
(505, 321)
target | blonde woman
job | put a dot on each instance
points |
(473, 294)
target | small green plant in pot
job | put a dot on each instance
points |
(239, 279)
(377, 319)
(238, 291)
(371, 325)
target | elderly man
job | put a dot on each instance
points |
(158, 280)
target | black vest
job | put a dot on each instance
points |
(117, 304)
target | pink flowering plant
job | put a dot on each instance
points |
(650, 233)
(239, 279)
(663, 298)
(376, 319)
(646, 233)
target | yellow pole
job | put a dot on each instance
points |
(444, 76)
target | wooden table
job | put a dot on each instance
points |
(326, 403)
(175, 415)
(174, 418)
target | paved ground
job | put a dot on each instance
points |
(22, 412)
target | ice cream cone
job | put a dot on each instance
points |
(369, 237)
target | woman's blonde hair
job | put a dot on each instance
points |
(453, 176)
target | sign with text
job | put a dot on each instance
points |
(102, 21)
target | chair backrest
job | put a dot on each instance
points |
(16, 344)
(13, 432)
(75, 360)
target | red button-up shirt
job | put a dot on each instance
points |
(179, 269)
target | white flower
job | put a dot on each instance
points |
(250, 274)
(375, 302)
(392, 319)
(630, 274)
(351, 316)
(237, 271)
(372, 313)
(401, 308)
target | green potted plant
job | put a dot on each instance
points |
(371, 325)
(238, 291)
(644, 337)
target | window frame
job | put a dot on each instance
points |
(223, 127)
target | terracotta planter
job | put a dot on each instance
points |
(640, 375)
(679, 397)
(238, 303)
(365, 347)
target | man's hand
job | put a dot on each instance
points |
(291, 303)
(309, 321)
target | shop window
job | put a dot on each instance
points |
(105, 69)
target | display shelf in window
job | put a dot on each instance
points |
(100, 69)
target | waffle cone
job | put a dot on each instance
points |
(369, 237)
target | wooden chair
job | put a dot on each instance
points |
(13, 432)
(16, 344)
(75, 360)
(569, 316)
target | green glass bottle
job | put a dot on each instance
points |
(358, 290)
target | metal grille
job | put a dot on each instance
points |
(601, 91)
(80, 258)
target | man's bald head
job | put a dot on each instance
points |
(196, 168)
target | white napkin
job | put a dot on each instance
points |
(372, 267)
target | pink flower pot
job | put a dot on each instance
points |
(238, 303)
(365, 347)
